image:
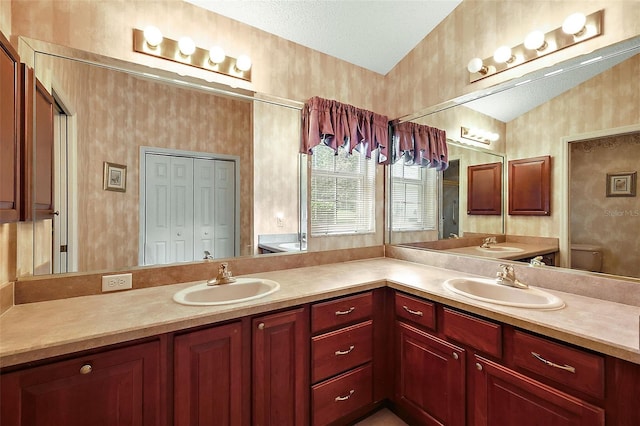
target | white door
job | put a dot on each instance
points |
(189, 208)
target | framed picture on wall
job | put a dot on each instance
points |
(622, 184)
(115, 177)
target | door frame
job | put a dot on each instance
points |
(144, 150)
(565, 205)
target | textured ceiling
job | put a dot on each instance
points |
(374, 34)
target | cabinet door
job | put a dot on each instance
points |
(530, 186)
(208, 377)
(9, 132)
(430, 378)
(115, 387)
(43, 188)
(505, 397)
(281, 369)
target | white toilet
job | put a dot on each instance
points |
(587, 257)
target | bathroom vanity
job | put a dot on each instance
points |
(334, 343)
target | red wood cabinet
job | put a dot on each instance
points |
(114, 387)
(430, 377)
(505, 397)
(530, 186)
(37, 149)
(208, 377)
(280, 371)
(484, 195)
(9, 132)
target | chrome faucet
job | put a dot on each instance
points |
(207, 255)
(507, 276)
(487, 241)
(537, 261)
(224, 276)
(453, 235)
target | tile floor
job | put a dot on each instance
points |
(382, 417)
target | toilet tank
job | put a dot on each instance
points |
(587, 257)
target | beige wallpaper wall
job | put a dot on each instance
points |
(609, 222)
(5, 18)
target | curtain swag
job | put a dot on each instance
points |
(341, 125)
(420, 145)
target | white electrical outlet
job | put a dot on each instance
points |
(116, 282)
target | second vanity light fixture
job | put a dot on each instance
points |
(150, 41)
(575, 29)
(478, 135)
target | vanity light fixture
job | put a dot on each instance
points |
(476, 65)
(503, 55)
(151, 42)
(535, 41)
(186, 46)
(575, 24)
(575, 29)
(478, 135)
(152, 36)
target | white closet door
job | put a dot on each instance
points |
(225, 216)
(181, 209)
(157, 212)
(204, 206)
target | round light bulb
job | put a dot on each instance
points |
(216, 55)
(152, 36)
(574, 24)
(535, 41)
(475, 65)
(502, 54)
(186, 46)
(243, 63)
(494, 137)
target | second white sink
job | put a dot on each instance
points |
(500, 249)
(487, 290)
(242, 290)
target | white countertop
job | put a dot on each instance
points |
(40, 330)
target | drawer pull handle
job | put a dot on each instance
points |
(553, 364)
(352, 347)
(418, 313)
(344, 398)
(347, 312)
(86, 369)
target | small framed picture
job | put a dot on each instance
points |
(621, 184)
(115, 177)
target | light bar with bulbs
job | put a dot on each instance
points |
(151, 42)
(478, 135)
(575, 29)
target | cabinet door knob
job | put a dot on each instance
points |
(479, 366)
(455, 355)
(261, 326)
(86, 369)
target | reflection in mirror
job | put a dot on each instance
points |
(197, 160)
(549, 112)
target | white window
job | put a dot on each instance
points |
(413, 198)
(342, 192)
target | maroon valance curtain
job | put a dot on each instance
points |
(340, 125)
(420, 145)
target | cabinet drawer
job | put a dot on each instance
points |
(416, 310)
(339, 312)
(579, 370)
(340, 350)
(339, 396)
(482, 335)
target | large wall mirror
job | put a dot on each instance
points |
(574, 111)
(186, 147)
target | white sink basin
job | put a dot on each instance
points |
(500, 249)
(242, 290)
(487, 290)
(292, 246)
